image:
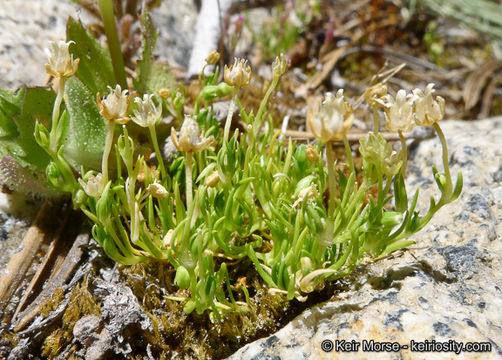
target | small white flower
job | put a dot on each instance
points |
(239, 74)
(157, 190)
(427, 110)
(190, 139)
(94, 186)
(280, 65)
(399, 114)
(114, 106)
(334, 118)
(61, 63)
(147, 113)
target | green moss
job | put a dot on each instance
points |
(52, 302)
(53, 343)
(81, 303)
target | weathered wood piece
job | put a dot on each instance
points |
(48, 225)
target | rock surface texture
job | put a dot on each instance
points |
(28, 26)
(446, 287)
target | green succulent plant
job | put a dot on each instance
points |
(300, 220)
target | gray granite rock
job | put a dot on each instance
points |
(175, 20)
(447, 287)
(27, 27)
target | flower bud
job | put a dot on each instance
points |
(213, 58)
(391, 218)
(182, 278)
(216, 91)
(309, 193)
(377, 152)
(103, 206)
(164, 93)
(42, 135)
(312, 154)
(80, 198)
(125, 146)
(179, 102)
(213, 179)
(306, 264)
(157, 190)
(280, 65)
(54, 176)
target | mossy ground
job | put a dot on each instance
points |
(174, 334)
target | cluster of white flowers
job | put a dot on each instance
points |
(332, 119)
(405, 111)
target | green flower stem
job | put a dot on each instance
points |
(331, 178)
(376, 120)
(106, 10)
(188, 179)
(55, 116)
(404, 151)
(348, 151)
(448, 186)
(230, 114)
(258, 121)
(106, 152)
(153, 135)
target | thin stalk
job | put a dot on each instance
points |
(331, 178)
(376, 120)
(448, 185)
(55, 116)
(258, 119)
(153, 135)
(348, 152)
(404, 150)
(188, 179)
(106, 10)
(230, 114)
(106, 152)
